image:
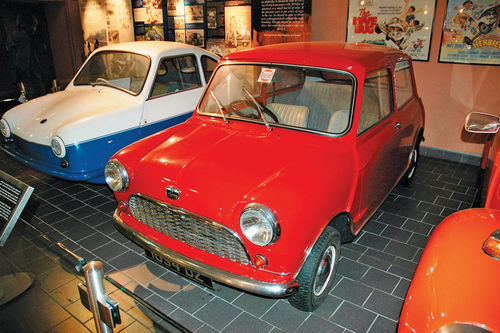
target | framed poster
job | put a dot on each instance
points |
(405, 25)
(471, 32)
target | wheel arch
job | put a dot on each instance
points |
(343, 223)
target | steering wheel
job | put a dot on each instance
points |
(239, 113)
(101, 80)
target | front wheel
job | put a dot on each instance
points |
(410, 173)
(316, 276)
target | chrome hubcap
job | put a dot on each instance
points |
(324, 271)
(413, 163)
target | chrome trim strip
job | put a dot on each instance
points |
(261, 288)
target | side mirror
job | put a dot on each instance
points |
(477, 122)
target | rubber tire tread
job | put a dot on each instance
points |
(304, 299)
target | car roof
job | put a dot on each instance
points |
(155, 48)
(346, 56)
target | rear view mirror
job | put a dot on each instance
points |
(477, 122)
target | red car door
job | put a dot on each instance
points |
(377, 146)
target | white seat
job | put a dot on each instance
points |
(339, 121)
(293, 115)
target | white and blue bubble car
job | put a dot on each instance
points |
(122, 93)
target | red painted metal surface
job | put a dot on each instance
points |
(455, 281)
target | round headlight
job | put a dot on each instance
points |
(4, 128)
(258, 224)
(58, 148)
(116, 176)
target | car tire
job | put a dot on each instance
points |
(410, 173)
(316, 276)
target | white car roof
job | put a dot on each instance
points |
(155, 48)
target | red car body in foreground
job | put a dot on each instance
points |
(455, 287)
(291, 150)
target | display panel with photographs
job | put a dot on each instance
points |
(148, 19)
(105, 22)
(471, 32)
(238, 25)
(405, 25)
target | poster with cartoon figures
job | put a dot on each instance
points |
(471, 32)
(402, 24)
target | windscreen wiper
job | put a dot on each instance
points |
(259, 108)
(219, 105)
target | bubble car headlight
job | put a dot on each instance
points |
(116, 176)
(4, 128)
(259, 225)
(58, 148)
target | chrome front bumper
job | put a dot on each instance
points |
(261, 288)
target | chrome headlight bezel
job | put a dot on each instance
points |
(5, 128)
(58, 148)
(259, 225)
(116, 176)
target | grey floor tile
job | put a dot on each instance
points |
(284, 316)
(218, 313)
(353, 317)
(385, 304)
(254, 305)
(383, 325)
(380, 280)
(318, 324)
(352, 291)
(247, 323)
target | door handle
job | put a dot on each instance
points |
(398, 125)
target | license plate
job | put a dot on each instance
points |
(186, 272)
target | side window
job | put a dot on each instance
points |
(176, 74)
(208, 65)
(403, 83)
(376, 100)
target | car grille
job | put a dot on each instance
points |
(188, 228)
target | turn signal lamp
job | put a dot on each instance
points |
(492, 245)
(122, 206)
(260, 261)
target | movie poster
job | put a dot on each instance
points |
(471, 32)
(281, 21)
(405, 25)
(105, 22)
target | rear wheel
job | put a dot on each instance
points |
(410, 173)
(316, 276)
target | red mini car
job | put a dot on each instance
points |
(291, 150)
(455, 287)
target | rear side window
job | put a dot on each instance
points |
(208, 65)
(376, 100)
(176, 74)
(403, 83)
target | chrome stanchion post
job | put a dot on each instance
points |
(96, 294)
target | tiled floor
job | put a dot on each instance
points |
(374, 271)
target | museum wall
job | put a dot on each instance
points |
(449, 91)
(66, 40)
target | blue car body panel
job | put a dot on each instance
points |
(86, 160)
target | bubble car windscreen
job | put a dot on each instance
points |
(122, 70)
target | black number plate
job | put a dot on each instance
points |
(186, 272)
